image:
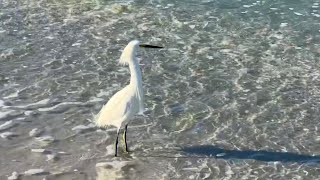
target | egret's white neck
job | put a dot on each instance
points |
(128, 56)
(136, 82)
(136, 77)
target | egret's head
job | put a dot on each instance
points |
(129, 52)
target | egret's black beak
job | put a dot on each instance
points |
(149, 46)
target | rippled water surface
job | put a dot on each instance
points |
(235, 94)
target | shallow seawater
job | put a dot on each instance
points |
(235, 94)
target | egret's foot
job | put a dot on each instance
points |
(127, 151)
(127, 155)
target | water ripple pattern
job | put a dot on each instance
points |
(241, 76)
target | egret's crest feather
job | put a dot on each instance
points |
(129, 52)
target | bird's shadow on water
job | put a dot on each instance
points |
(259, 155)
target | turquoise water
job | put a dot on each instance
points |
(236, 88)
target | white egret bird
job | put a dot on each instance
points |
(127, 102)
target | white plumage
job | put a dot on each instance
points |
(127, 102)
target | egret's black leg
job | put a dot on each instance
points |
(116, 144)
(125, 137)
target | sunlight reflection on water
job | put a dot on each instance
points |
(239, 75)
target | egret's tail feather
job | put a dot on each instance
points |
(123, 62)
(98, 121)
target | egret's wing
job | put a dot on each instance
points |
(116, 108)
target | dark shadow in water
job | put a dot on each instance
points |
(212, 151)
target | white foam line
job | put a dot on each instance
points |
(61, 104)
(114, 164)
(5, 114)
(12, 95)
(7, 125)
(41, 102)
(95, 99)
(298, 14)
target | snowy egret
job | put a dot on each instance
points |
(127, 102)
